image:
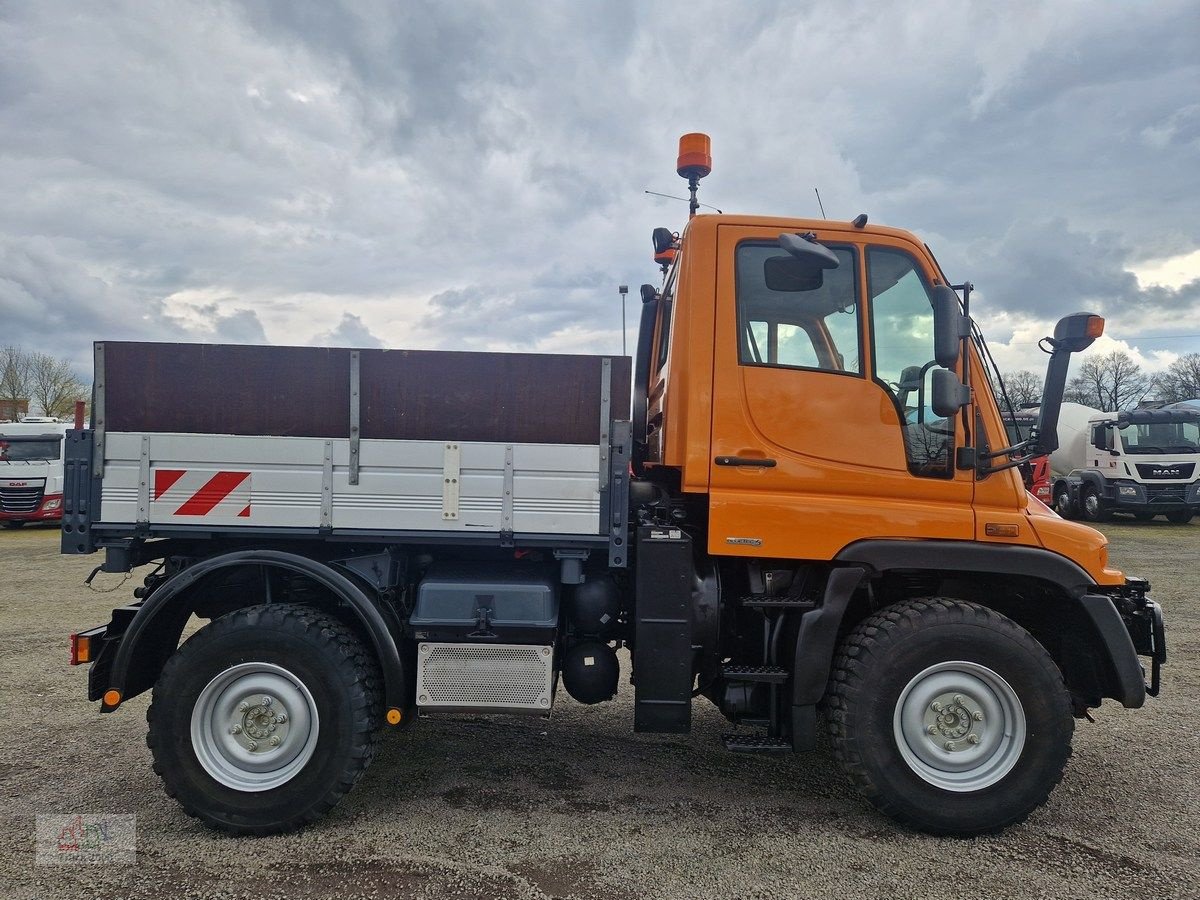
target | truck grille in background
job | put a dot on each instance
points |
(1165, 493)
(1166, 470)
(20, 500)
(500, 677)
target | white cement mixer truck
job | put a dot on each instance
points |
(1142, 462)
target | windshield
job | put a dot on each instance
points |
(28, 450)
(1161, 437)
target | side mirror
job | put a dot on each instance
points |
(1072, 334)
(949, 394)
(950, 326)
(663, 239)
(806, 249)
(1075, 333)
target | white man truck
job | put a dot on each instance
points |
(31, 471)
(1142, 462)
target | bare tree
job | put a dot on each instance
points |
(1024, 388)
(1109, 382)
(15, 376)
(1181, 380)
(53, 385)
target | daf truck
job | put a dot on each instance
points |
(809, 516)
(31, 471)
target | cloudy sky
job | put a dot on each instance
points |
(472, 175)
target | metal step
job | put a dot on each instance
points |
(755, 743)
(761, 601)
(761, 674)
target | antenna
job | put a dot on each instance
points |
(820, 204)
(683, 199)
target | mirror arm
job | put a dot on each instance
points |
(1008, 451)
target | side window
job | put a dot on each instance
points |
(902, 357)
(792, 316)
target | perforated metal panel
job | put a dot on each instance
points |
(496, 677)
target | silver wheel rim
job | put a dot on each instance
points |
(254, 727)
(959, 726)
(1064, 505)
(1092, 503)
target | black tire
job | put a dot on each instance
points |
(876, 667)
(1180, 516)
(319, 653)
(1144, 516)
(1092, 506)
(1063, 504)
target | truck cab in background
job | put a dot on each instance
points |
(31, 471)
(1143, 462)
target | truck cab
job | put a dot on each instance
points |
(31, 471)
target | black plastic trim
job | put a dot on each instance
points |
(1127, 685)
(815, 646)
(131, 676)
(969, 556)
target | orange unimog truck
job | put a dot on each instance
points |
(810, 513)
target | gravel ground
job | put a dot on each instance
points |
(581, 806)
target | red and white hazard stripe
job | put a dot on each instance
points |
(201, 492)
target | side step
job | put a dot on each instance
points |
(755, 743)
(760, 674)
(761, 601)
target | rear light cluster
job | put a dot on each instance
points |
(81, 649)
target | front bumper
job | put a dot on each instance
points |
(1143, 620)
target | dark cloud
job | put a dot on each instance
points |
(471, 175)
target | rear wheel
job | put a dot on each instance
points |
(1094, 509)
(949, 717)
(1180, 516)
(265, 718)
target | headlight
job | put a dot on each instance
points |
(52, 504)
(1127, 491)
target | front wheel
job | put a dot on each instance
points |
(1063, 505)
(1180, 516)
(949, 716)
(265, 718)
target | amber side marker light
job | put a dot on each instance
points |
(1095, 326)
(994, 529)
(81, 649)
(112, 698)
(394, 716)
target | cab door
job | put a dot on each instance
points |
(821, 428)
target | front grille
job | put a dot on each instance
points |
(1165, 493)
(500, 677)
(20, 500)
(1166, 470)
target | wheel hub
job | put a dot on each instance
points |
(954, 719)
(959, 726)
(254, 726)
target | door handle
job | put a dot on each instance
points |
(745, 461)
